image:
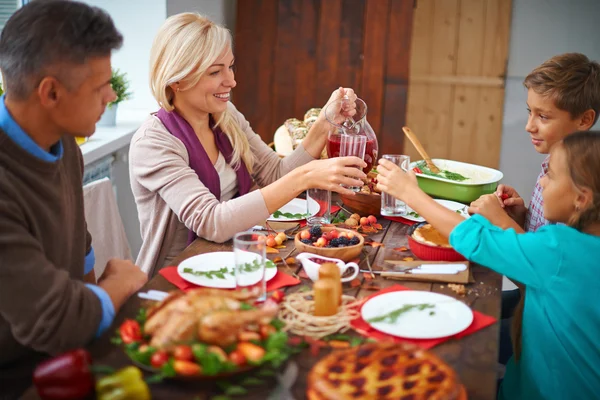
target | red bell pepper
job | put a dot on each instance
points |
(417, 170)
(504, 196)
(130, 331)
(65, 377)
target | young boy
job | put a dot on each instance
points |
(563, 96)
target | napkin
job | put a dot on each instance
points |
(281, 279)
(480, 321)
(401, 220)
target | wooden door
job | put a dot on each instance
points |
(457, 75)
(291, 54)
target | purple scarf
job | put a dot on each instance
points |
(199, 160)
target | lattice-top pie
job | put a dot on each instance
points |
(383, 371)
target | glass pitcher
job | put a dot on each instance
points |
(356, 125)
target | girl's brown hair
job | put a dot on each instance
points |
(583, 158)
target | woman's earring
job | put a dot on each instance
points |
(178, 88)
(576, 207)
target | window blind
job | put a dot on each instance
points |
(7, 8)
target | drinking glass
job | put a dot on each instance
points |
(390, 205)
(250, 254)
(323, 199)
(353, 145)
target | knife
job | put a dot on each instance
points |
(422, 268)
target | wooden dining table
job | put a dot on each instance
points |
(474, 357)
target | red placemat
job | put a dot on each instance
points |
(281, 279)
(401, 220)
(480, 321)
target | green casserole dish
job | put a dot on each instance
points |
(482, 180)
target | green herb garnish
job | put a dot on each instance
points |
(453, 176)
(413, 214)
(339, 218)
(288, 215)
(393, 316)
(222, 272)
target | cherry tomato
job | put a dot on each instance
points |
(183, 352)
(278, 296)
(130, 331)
(186, 368)
(159, 358)
(237, 357)
(267, 330)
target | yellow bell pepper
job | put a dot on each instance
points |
(125, 384)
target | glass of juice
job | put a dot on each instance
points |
(357, 125)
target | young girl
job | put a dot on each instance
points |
(560, 355)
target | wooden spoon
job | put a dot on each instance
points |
(415, 141)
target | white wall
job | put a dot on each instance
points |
(540, 29)
(138, 21)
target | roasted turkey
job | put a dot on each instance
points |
(212, 316)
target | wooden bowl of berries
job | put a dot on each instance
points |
(329, 241)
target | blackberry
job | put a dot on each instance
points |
(307, 241)
(335, 242)
(315, 231)
(344, 241)
(354, 240)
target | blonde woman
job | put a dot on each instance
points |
(193, 163)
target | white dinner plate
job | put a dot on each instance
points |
(216, 261)
(296, 206)
(450, 205)
(447, 317)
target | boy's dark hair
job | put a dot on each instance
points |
(46, 37)
(583, 158)
(571, 80)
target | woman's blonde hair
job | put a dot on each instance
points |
(185, 46)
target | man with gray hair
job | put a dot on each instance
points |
(55, 63)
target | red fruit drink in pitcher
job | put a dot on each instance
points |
(334, 143)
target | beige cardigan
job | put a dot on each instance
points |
(169, 196)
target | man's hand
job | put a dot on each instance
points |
(121, 279)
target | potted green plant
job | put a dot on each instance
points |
(120, 84)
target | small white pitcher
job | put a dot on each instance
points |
(312, 268)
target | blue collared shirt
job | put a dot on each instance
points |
(18, 135)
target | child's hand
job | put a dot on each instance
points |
(490, 206)
(512, 202)
(393, 180)
(509, 196)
